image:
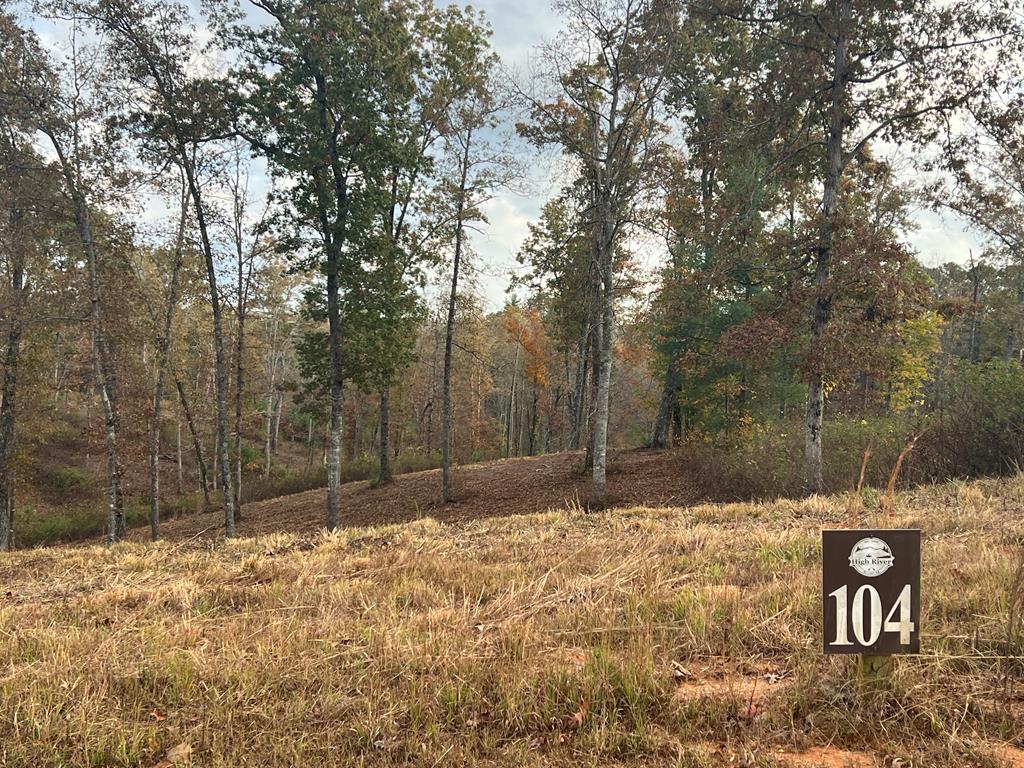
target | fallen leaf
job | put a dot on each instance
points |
(176, 755)
(680, 673)
(576, 720)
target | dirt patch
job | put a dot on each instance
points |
(494, 489)
(745, 688)
(751, 687)
(827, 757)
(1013, 757)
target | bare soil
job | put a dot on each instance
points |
(827, 757)
(494, 489)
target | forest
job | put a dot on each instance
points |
(245, 249)
(601, 383)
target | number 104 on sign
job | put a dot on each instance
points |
(871, 591)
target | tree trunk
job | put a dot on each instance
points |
(595, 376)
(216, 458)
(239, 385)
(578, 394)
(269, 415)
(385, 437)
(309, 445)
(106, 381)
(163, 353)
(533, 422)
(599, 485)
(595, 357)
(669, 395)
(334, 234)
(678, 425)
(108, 396)
(446, 382)
(102, 358)
(835, 163)
(510, 415)
(244, 281)
(278, 403)
(334, 435)
(222, 459)
(197, 444)
(177, 431)
(8, 434)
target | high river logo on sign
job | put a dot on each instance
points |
(871, 557)
(871, 591)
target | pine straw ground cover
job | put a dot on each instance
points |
(668, 637)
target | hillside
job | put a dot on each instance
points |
(679, 636)
(490, 489)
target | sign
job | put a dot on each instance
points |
(871, 591)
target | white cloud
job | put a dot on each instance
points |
(498, 242)
(941, 238)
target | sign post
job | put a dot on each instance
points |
(871, 596)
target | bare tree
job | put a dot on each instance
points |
(176, 113)
(66, 104)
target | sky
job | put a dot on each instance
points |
(519, 26)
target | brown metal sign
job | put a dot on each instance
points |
(871, 591)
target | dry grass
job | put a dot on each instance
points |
(675, 637)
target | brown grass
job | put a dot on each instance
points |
(654, 637)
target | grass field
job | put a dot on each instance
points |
(654, 637)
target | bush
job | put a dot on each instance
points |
(765, 460)
(977, 427)
(281, 482)
(60, 481)
(34, 529)
(414, 461)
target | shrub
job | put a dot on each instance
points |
(34, 529)
(765, 460)
(281, 482)
(977, 427)
(60, 481)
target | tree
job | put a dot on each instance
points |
(725, 192)
(606, 77)
(16, 159)
(29, 207)
(175, 117)
(449, 69)
(249, 246)
(475, 166)
(557, 253)
(985, 185)
(63, 104)
(321, 117)
(895, 72)
(163, 359)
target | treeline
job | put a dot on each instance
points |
(269, 228)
